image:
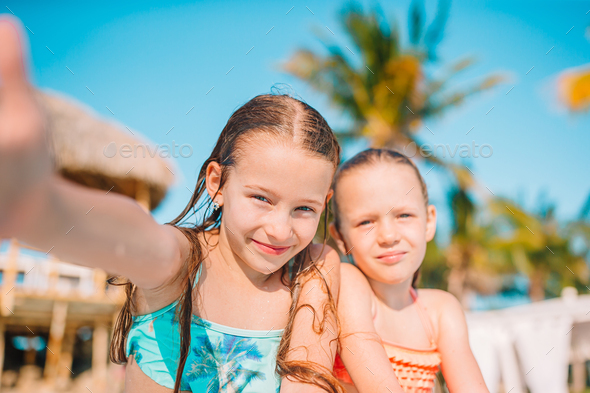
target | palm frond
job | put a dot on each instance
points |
(416, 21)
(435, 31)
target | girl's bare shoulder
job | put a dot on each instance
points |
(153, 299)
(357, 294)
(328, 262)
(353, 277)
(436, 296)
(324, 254)
(438, 299)
(438, 302)
(356, 306)
(443, 308)
(183, 242)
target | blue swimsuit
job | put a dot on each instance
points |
(221, 358)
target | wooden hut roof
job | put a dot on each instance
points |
(85, 145)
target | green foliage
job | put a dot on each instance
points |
(540, 247)
(388, 93)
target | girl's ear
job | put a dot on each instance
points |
(336, 236)
(430, 222)
(330, 195)
(213, 181)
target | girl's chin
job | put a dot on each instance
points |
(264, 266)
(391, 275)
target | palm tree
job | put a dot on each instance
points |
(433, 271)
(579, 230)
(134, 350)
(382, 85)
(539, 248)
(473, 258)
(219, 362)
(505, 239)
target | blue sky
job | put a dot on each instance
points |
(151, 62)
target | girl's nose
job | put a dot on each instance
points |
(388, 235)
(279, 227)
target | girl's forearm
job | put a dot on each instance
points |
(96, 229)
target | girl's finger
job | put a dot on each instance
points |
(13, 47)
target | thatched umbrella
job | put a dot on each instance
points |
(88, 150)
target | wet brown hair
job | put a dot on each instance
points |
(283, 118)
(367, 158)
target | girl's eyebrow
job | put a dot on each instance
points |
(374, 214)
(401, 207)
(254, 187)
(364, 215)
(266, 190)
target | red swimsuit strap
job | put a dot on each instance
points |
(426, 323)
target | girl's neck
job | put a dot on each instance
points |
(233, 266)
(395, 296)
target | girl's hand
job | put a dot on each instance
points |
(25, 161)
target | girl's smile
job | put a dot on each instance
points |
(391, 257)
(269, 249)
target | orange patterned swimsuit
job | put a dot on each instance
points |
(415, 368)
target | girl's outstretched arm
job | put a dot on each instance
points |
(77, 224)
(94, 229)
(307, 345)
(459, 366)
(361, 350)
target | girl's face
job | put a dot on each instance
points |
(272, 201)
(385, 224)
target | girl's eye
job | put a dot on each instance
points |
(305, 209)
(404, 215)
(260, 198)
(366, 222)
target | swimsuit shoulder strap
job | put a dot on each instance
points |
(423, 317)
(374, 305)
(198, 275)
